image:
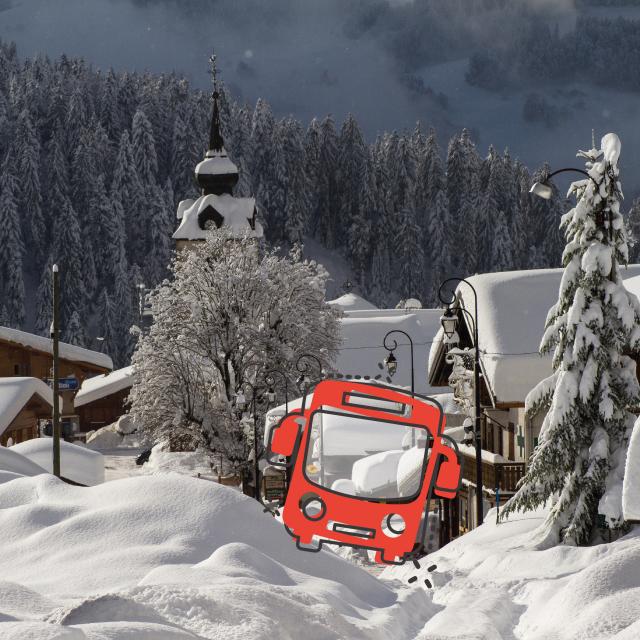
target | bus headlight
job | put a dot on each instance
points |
(393, 525)
(313, 507)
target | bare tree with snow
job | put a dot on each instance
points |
(228, 316)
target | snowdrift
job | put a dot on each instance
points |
(77, 463)
(168, 556)
(14, 463)
(496, 583)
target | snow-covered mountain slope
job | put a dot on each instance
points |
(495, 583)
(166, 556)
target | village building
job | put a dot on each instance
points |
(28, 356)
(102, 399)
(23, 403)
(216, 207)
(512, 309)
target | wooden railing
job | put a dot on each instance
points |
(499, 474)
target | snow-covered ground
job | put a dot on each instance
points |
(495, 584)
(167, 557)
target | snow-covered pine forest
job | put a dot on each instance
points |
(95, 162)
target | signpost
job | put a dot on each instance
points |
(65, 384)
(273, 487)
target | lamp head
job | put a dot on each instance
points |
(542, 190)
(449, 322)
(391, 363)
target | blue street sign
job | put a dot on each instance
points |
(65, 384)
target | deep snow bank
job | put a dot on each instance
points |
(77, 463)
(167, 556)
(494, 584)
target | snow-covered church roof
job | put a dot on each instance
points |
(15, 392)
(213, 211)
(216, 163)
(512, 309)
(67, 351)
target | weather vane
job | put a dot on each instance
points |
(213, 61)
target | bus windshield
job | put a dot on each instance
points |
(366, 458)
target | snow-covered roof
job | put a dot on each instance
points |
(352, 302)
(512, 309)
(216, 163)
(362, 352)
(15, 392)
(183, 205)
(104, 385)
(67, 351)
(237, 212)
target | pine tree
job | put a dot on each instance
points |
(352, 158)
(409, 255)
(181, 171)
(127, 187)
(106, 320)
(326, 213)
(44, 299)
(34, 230)
(73, 332)
(439, 258)
(502, 247)
(261, 145)
(158, 254)
(633, 227)
(68, 251)
(11, 278)
(579, 460)
(123, 304)
(297, 205)
(359, 242)
(144, 149)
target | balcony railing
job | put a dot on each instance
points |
(504, 475)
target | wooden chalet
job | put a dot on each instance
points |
(512, 309)
(102, 399)
(25, 355)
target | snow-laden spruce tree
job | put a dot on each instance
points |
(578, 462)
(229, 316)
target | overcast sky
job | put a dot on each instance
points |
(374, 58)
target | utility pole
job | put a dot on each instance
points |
(55, 330)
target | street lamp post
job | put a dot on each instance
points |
(391, 361)
(55, 335)
(241, 404)
(271, 396)
(544, 190)
(449, 325)
(270, 382)
(303, 366)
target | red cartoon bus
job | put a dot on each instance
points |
(365, 461)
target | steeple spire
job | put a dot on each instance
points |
(216, 143)
(216, 174)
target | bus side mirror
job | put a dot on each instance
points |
(285, 435)
(449, 472)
